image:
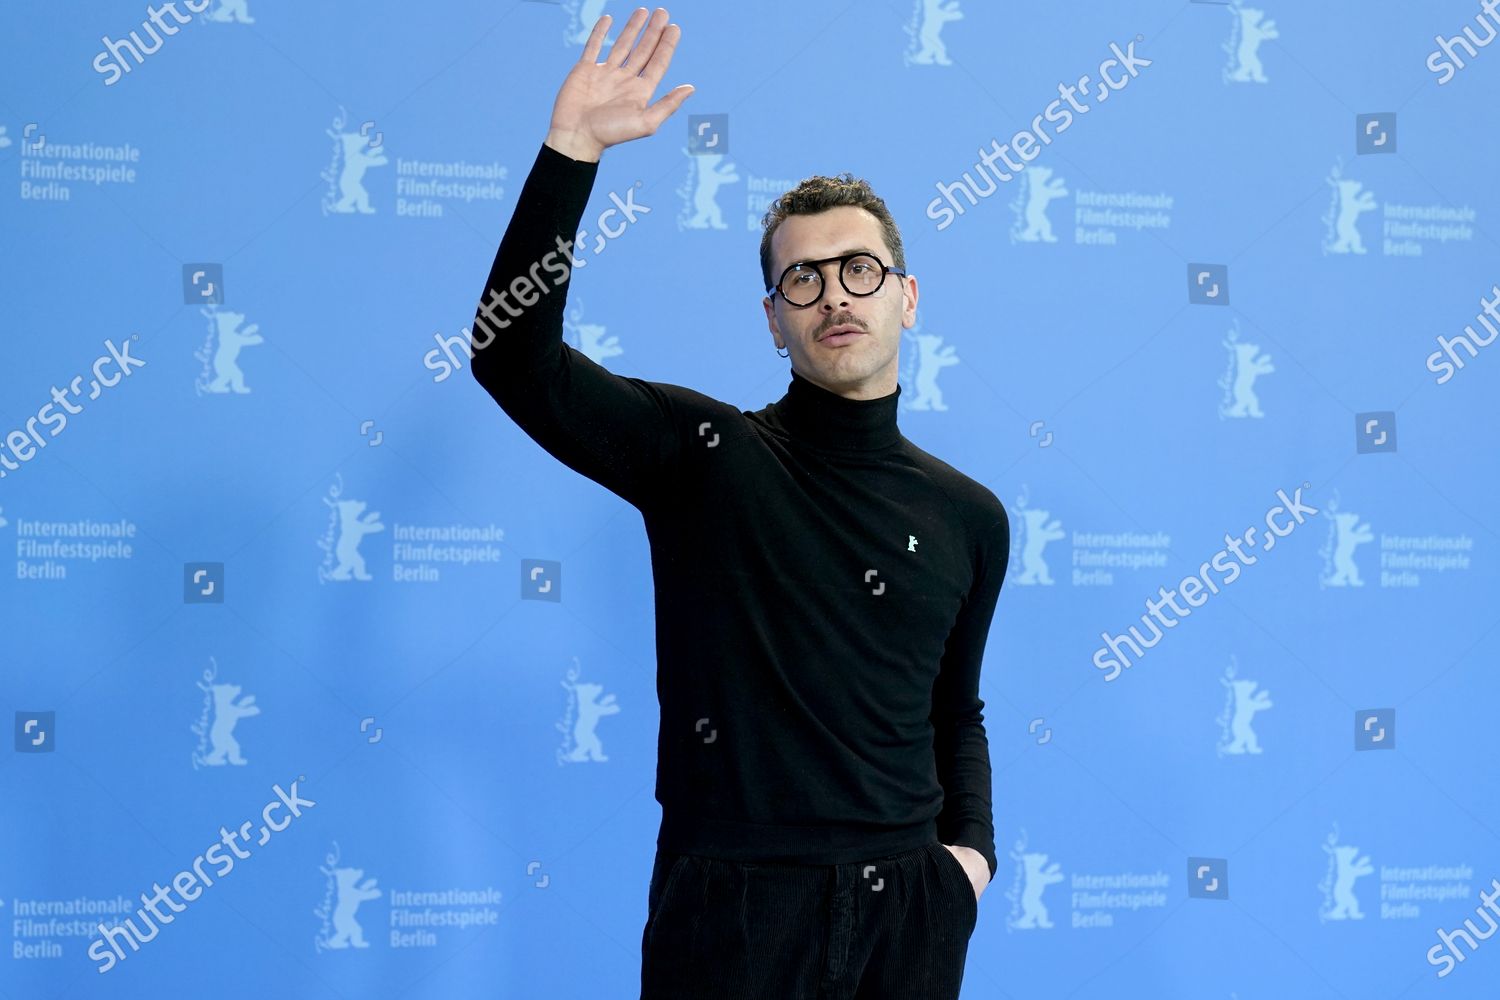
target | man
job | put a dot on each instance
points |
(824, 589)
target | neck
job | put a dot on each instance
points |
(821, 417)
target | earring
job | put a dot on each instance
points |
(787, 355)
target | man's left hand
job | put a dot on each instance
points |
(975, 866)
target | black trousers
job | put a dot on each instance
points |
(890, 928)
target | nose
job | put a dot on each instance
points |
(834, 297)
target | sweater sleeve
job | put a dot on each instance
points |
(959, 741)
(620, 432)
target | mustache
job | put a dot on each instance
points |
(843, 319)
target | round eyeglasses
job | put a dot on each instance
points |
(861, 274)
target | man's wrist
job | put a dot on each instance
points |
(574, 146)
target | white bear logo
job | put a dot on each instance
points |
(1246, 364)
(928, 18)
(229, 709)
(1345, 534)
(231, 10)
(1036, 532)
(1039, 191)
(343, 894)
(705, 177)
(1341, 223)
(1033, 875)
(589, 709)
(581, 18)
(590, 337)
(1244, 701)
(1251, 27)
(228, 337)
(931, 358)
(353, 154)
(1345, 865)
(348, 526)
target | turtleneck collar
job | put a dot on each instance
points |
(816, 416)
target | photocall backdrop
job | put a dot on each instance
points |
(328, 682)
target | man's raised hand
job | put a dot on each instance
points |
(602, 104)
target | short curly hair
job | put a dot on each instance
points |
(819, 193)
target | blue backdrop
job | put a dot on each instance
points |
(1185, 269)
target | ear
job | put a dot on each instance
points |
(909, 301)
(770, 306)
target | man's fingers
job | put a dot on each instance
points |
(626, 41)
(596, 40)
(640, 56)
(662, 109)
(661, 58)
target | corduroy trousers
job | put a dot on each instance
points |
(889, 928)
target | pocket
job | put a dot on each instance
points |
(664, 873)
(960, 876)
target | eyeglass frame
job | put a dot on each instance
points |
(817, 268)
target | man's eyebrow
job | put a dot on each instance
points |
(842, 253)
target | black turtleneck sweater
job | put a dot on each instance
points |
(824, 588)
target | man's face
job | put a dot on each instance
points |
(866, 366)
